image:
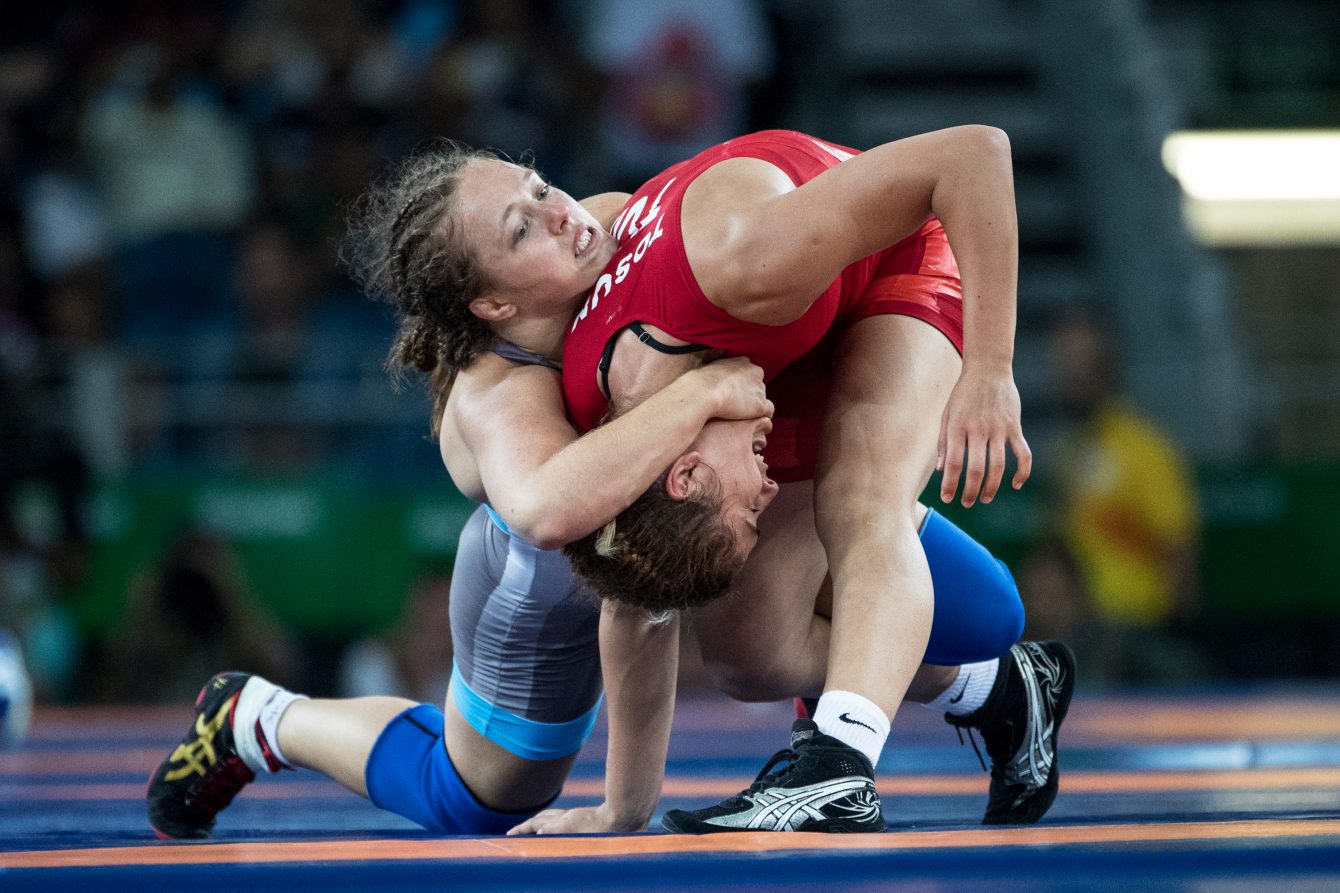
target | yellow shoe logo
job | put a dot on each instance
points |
(198, 755)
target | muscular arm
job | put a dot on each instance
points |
(640, 660)
(552, 487)
(764, 252)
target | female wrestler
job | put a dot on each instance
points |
(485, 430)
(761, 247)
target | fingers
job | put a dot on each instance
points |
(995, 469)
(975, 469)
(983, 469)
(952, 463)
(940, 445)
(535, 824)
(1023, 456)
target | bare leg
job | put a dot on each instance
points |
(893, 377)
(770, 640)
(334, 737)
(765, 641)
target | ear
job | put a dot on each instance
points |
(680, 483)
(492, 308)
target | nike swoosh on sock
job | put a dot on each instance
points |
(856, 722)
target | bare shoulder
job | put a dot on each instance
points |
(492, 387)
(716, 219)
(605, 206)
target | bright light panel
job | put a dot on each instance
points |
(1258, 187)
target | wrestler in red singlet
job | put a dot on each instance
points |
(649, 281)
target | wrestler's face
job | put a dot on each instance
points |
(734, 452)
(540, 247)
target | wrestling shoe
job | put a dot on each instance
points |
(205, 772)
(1019, 723)
(820, 784)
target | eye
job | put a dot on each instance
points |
(544, 192)
(521, 232)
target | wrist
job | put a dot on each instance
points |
(998, 364)
(701, 389)
(627, 817)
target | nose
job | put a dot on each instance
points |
(556, 216)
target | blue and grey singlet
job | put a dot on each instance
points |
(524, 628)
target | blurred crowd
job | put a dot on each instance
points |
(173, 180)
(173, 183)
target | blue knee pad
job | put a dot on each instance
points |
(978, 614)
(410, 774)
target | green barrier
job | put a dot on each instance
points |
(1270, 541)
(325, 558)
(336, 560)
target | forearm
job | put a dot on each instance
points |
(640, 660)
(593, 478)
(974, 200)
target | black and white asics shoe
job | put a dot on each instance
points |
(820, 784)
(1019, 723)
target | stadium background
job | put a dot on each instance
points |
(202, 458)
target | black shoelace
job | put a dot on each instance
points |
(972, 739)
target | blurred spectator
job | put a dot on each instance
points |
(277, 302)
(677, 77)
(175, 173)
(92, 373)
(1129, 519)
(504, 82)
(185, 619)
(413, 658)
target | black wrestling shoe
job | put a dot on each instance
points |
(1019, 723)
(820, 784)
(205, 772)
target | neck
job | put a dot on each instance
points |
(543, 336)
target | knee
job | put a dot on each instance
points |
(996, 623)
(744, 677)
(1002, 615)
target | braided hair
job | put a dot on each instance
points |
(661, 554)
(404, 247)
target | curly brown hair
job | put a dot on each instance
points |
(661, 554)
(403, 247)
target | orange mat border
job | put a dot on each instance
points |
(654, 844)
(1080, 782)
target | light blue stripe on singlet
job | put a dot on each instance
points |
(497, 519)
(526, 738)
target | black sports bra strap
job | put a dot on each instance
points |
(607, 356)
(646, 338)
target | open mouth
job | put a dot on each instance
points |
(584, 241)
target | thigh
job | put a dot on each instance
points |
(773, 601)
(892, 377)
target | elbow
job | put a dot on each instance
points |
(540, 529)
(547, 533)
(988, 141)
(553, 531)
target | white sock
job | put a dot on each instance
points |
(969, 690)
(854, 720)
(259, 708)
